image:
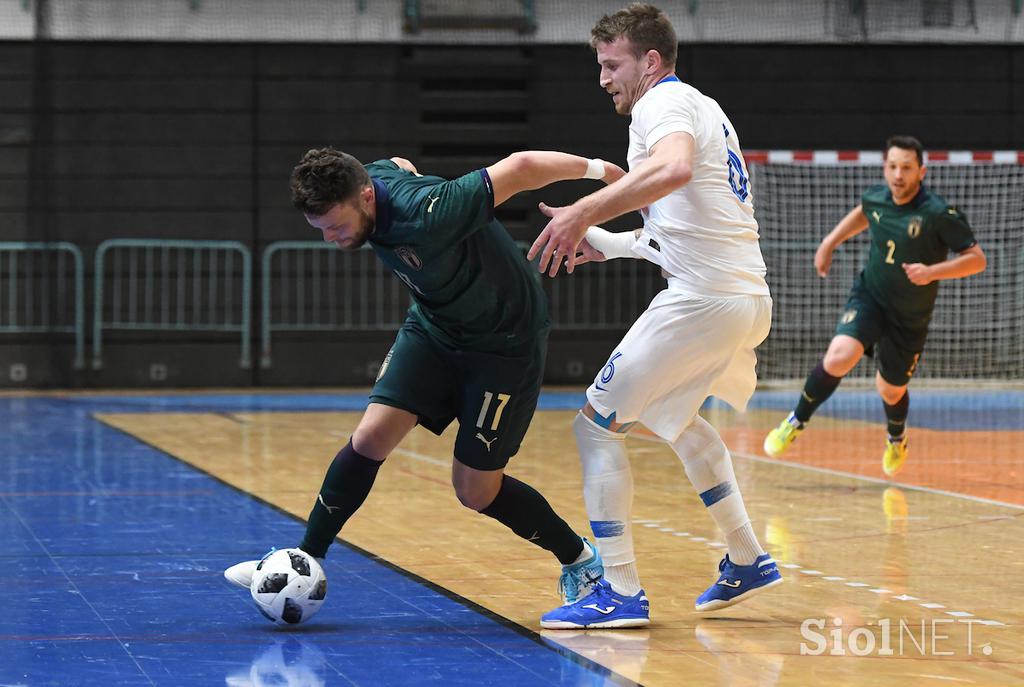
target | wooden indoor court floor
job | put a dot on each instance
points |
(886, 582)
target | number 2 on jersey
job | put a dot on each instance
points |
(488, 397)
(892, 249)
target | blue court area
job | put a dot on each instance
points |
(113, 552)
(112, 562)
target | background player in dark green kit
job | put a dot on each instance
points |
(913, 230)
(472, 348)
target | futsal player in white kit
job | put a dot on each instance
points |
(696, 338)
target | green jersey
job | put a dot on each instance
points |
(924, 230)
(471, 285)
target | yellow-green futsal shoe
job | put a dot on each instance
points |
(779, 439)
(895, 455)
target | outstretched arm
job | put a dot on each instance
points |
(854, 223)
(533, 169)
(669, 167)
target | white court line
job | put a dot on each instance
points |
(422, 457)
(807, 571)
(876, 480)
(944, 677)
(857, 585)
(655, 524)
(840, 473)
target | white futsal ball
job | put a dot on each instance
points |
(289, 586)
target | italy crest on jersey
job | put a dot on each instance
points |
(409, 257)
(914, 227)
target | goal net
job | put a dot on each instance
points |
(977, 330)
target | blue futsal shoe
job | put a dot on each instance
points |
(739, 582)
(604, 607)
(578, 579)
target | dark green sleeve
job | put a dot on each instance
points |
(871, 197)
(456, 208)
(379, 166)
(953, 230)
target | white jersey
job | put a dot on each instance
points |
(703, 234)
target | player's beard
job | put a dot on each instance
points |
(622, 107)
(627, 99)
(365, 229)
(905, 193)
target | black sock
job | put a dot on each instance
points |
(345, 487)
(896, 415)
(818, 387)
(523, 510)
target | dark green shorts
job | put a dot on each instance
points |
(492, 395)
(896, 348)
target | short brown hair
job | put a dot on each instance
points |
(325, 177)
(906, 143)
(646, 27)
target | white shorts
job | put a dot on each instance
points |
(681, 350)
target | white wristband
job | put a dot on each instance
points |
(595, 169)
(612, 244)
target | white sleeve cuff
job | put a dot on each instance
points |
(612, 244)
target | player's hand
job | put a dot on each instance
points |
(823, 260)
(612, 172)
(586, 253)
(918, 273)
(558, 240)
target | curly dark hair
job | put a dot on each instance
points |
(646, 27)
(325, 177)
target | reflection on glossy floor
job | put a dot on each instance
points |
(917, 581)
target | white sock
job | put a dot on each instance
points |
(623, 578)
(607, 490)
(709, 467)
(743, 546)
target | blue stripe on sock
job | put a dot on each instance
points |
(607, 528)
(716, 493)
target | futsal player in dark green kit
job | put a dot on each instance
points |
(472, 348)
(913, 231)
